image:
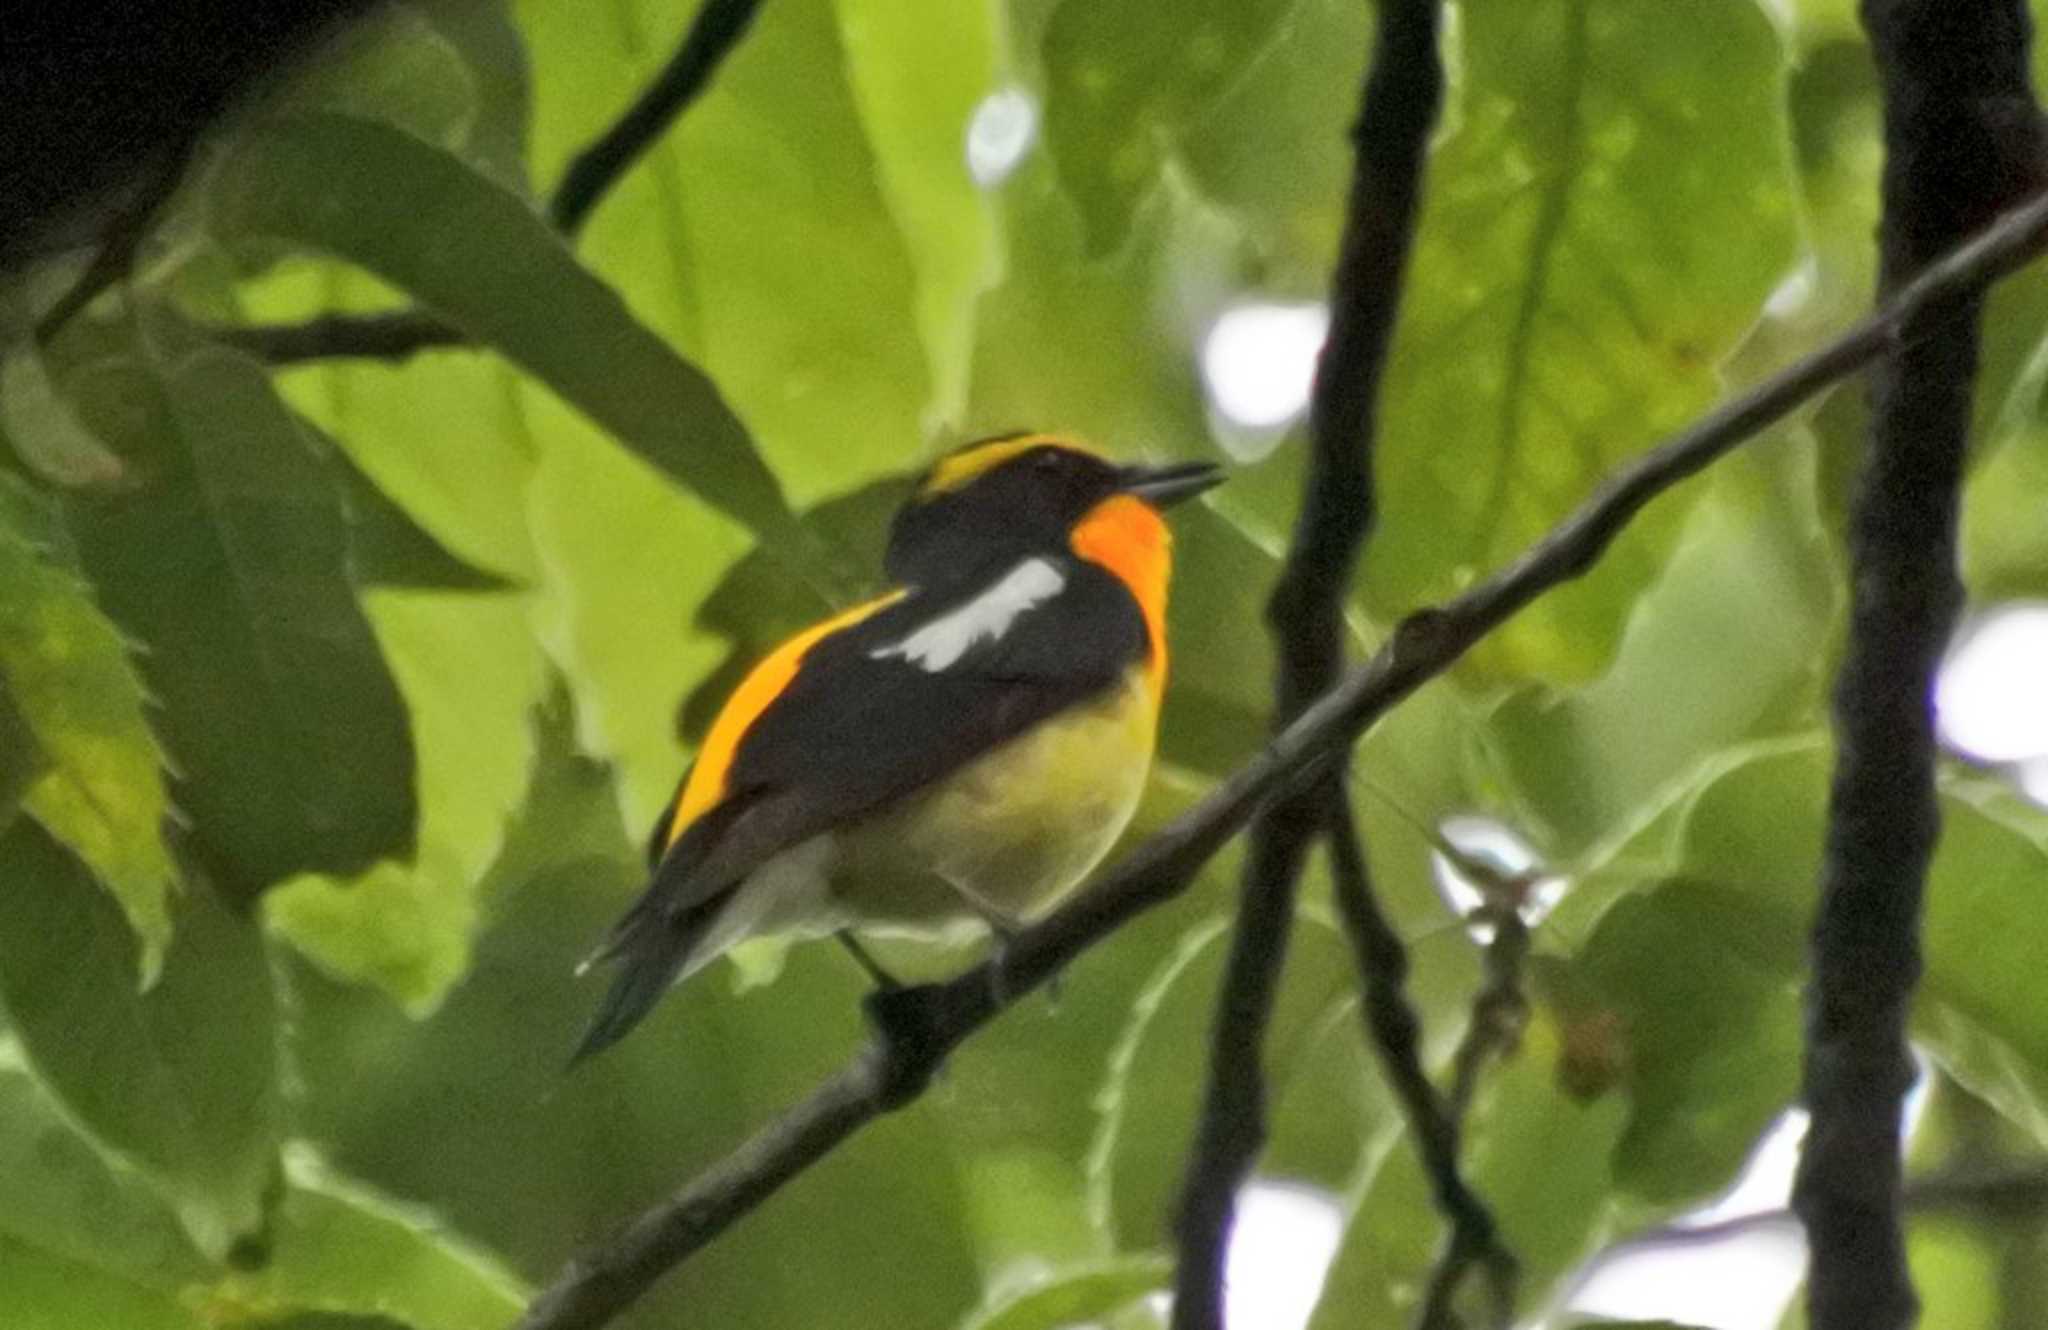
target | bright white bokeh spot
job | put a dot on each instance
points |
(1499, 845)
(999, 133)
(1259, 361)
(2034, 780)
(1281, 1246)
(1992, 695)
(1795, 290)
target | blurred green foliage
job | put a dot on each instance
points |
(335, 699)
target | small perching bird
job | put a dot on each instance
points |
(963, 748)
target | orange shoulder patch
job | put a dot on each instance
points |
(1127, 536)
(756, 693)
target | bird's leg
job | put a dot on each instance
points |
(884, 981)
(1004, 929)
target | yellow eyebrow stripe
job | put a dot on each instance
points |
(957, 468)
(756, 693)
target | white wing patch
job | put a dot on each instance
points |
(942, 642)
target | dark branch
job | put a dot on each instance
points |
(922, 1025)
(713, 34)
(392, 336)
(592, 173)
(1960, 142)
(1500, 1012)
(1396, 1035)
(1398, 108)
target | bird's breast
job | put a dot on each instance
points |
(1017, 828)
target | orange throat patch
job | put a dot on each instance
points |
(1127, 536)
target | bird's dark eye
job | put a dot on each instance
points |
(1049, 460)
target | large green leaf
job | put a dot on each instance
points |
(182, 1079)
(1722, 648)
(916, 75)
(757, 236)
(1148, 1104)
(75, 693)
(228, 561)
(72, 1208)
(1708, 1049)
(1122, 87)
(454, 239)
(341, 1247)
(471, 674)
(1980, 1007)
(41, 1291)
(1605, 217)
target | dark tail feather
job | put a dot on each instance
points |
(650, 954)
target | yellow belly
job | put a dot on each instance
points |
(1012, 832)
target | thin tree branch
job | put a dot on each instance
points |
(1398, 108)
(1500, 1011)
(1396, 1035)
(917, 1027)
(713, 34)
(1961, 140)
(1991, 1196)
(398, 334)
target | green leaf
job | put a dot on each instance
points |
(1979, 1008)
(74, 1207)
(39, 1291)
(21, 757)
(2004, 540)
(471, 674)
(1573, 287)
(228, 561)
(182, 1079)
(389, 548)
(916, 76)
(1696, 989)
(75, 693)
(43, 429)
(623, 560)
(1147, 1103)
(1122, 88)
(1072, 1296)
(1719, 650)
(419, 219)
(342, 1247)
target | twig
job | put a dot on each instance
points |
(1398, 107)
(1992, 1196)
(1954, 75)
(121, 238)
(892, 1068)
(1500, 1011)
(592, 173)
(1397, 1040)
(713, 34)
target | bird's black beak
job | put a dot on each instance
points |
(1163, 485)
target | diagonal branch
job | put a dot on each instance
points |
(916, 1031)
(1962, 138)
(398, 334)
(1403, 91)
